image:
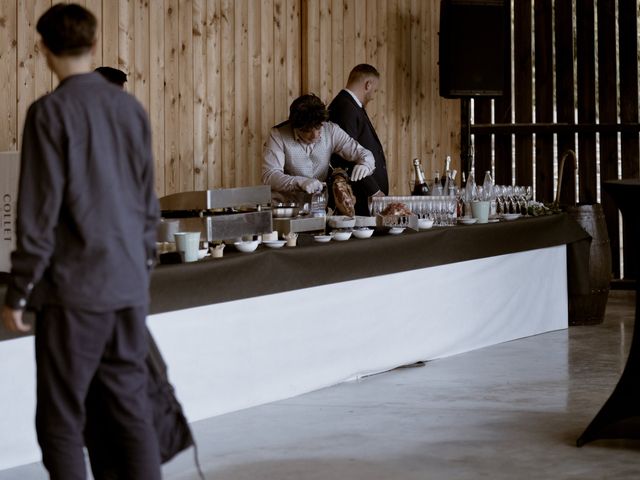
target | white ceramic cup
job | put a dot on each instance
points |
(187, 243)
(480, 210)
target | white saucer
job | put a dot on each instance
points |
(510, 216)
(467, 221)
(322, 238)
(274, 243)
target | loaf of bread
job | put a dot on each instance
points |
(343, 195)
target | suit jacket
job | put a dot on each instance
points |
(353, 119)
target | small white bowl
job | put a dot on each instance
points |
(341, 236)
(246, 247)
(363, 232)
(467, 220)
(203, 252)
(425, 223)
(274, 243)
(510, 216)
(396, 230)
(322, 238)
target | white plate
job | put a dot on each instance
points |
(510, 216)
(396, 230)
(274, 243)
(322, 238)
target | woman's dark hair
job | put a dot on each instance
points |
(307, 112)
(67, 29)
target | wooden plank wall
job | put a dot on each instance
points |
(400, 38)
(215, 75)
(584, 103)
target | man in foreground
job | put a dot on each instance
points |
(348, 111)
(86, 226)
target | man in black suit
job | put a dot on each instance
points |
(348, 110)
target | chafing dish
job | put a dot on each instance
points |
(220, 214)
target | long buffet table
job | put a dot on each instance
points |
(253, 328)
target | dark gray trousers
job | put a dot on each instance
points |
(74, 348)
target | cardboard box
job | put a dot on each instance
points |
(9, 172)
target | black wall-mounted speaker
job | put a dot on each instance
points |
(474, 41)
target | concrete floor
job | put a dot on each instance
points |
(511, 411)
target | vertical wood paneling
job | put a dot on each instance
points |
(171, 98)
(214, 95)
(126, 40)
(186, 92)
(95, 6)
(294, 58)
(28, 53)
(110, 29)
(339, 63)
(215, 75)
(280, 49)
(200, 176)
(157, 90)
(325, 74)
(241, 71)
(228, 93)
(8, 76)
(254, 97)
(142, 59)
(398, 37)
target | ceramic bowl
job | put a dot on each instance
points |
(467, 220)
(247, 246)
(322, 238)
(274, 243)
(363, 232)
(341, 236)
(284, 210)
(396, 230)
(425, 223)
(510, 216)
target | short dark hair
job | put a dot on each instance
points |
(113, 75)
(307, 112)
(67, 29)
(362, 71)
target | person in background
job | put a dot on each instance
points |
(348, 111)
(115, 76)
(298, 151)
(86, 226)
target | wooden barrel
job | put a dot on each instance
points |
(589, 309)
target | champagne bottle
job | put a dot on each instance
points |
(447, 169)
(437, 186)
(420, 185)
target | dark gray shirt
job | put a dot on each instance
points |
(87, 211)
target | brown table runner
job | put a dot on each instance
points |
(267, 271)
